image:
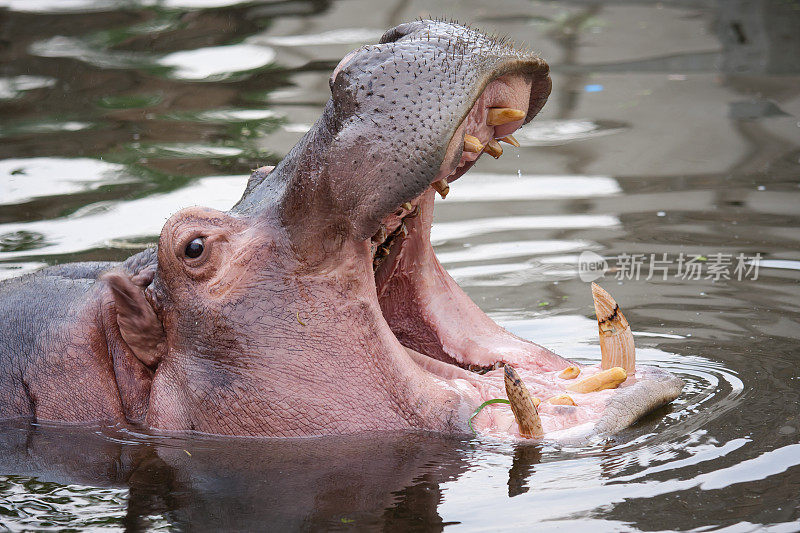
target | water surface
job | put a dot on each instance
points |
(671, 130)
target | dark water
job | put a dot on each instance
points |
(671, 130)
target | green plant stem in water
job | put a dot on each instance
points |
(480, 408)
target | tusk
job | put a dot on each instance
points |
(503, 115)
(407, 206)
(616, 338)
(561, 399)
(530, 425)
(510, 140)
(607, 379)
(494, 149)
(571, 372)
(441, 187)
(472, 144)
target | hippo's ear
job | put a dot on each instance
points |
(138, 323)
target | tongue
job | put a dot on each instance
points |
(429, 313)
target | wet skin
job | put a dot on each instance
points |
(315, 305)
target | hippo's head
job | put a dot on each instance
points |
(317, 306)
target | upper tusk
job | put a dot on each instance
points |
(607, 379)
(442, 187)
(510, 139)
(472, 144)
(530, 425)
(407, 206)
(494, 149)
(503, 115)
(616, 339)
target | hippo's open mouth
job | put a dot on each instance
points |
(406, 268)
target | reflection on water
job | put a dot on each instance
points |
(671, 129)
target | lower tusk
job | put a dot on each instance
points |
(510, 140)
(442, 187)
(472, 144)
(616, 339)
(494, 149)
(607, 379)
(530, 425)
(561, 399)
(498, 116)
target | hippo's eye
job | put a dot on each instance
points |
(195, 248)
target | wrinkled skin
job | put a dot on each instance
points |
(280, 326)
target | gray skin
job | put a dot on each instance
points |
(277, 328)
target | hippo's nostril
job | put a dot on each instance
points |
(398, 32)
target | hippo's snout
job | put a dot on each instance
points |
(404, 114)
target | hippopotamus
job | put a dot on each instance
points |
(316, 304)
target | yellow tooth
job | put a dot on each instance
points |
(510, 140)
(530, 425)
(616, 339)
(503, 115)
(571, 372)
(407, 206)
(472, 144)
(441, 187)
(494, 149)
(607, 379)
(561, 399)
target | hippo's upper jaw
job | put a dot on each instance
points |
(317, 305)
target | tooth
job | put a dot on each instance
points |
(571, 372)
(442, 187)
(616, 339)
(510, 140)
(403, 229)
(380, 235)
(472, 144)
(407, 206)
(494, 149)
(561, 399)
(530, 425)
(503, 115)
(607, 379)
